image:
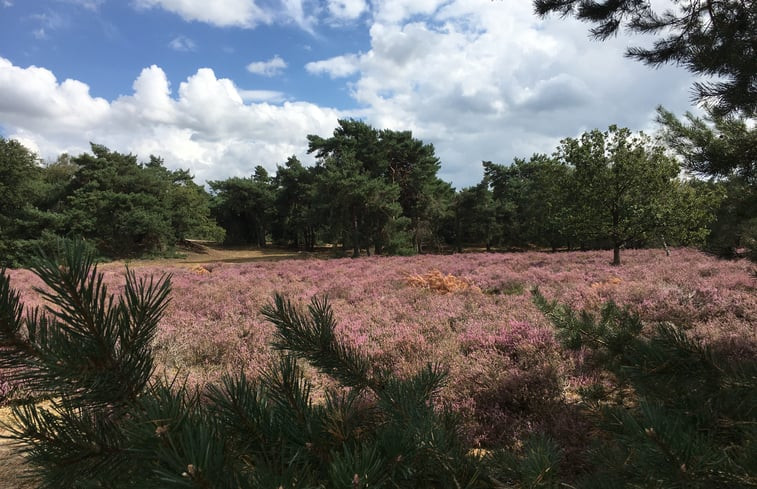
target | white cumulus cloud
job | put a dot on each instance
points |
(209, 125)
(480, 80)
(490, 81)
(222, 13)
(347, 9)
(336, 67)
(272, 67)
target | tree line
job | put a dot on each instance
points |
(119, 206)
(378, 191)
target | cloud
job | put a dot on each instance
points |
(32, 98)
(395, 11)
(48, 22)
(480, 80)
(336, 67)
(182, 43)
(347, 9)
(208, 125)
(272, 67)
(261, 96)
(221, 13)
(247, 14)
(87, 4)
(489, 81)
(294, 11)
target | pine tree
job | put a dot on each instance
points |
(711, 38)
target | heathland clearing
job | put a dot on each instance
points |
(508, 374)
(491, 336)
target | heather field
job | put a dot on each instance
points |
(470, 312)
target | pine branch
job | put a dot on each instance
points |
(313, 339)
(89, 355)
(692, 421)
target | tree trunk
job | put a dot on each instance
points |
(665, 245)
(615, 234)
(355, 237)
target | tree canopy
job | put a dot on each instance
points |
(723, 149)
(378, 191)
(120, 206)
(20, 179)
(620, 183)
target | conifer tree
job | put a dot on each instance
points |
(711, 38)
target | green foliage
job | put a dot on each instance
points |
(534, 198)
(604, 189)
(355, 199)
(296, 218)
(708, 38)
(621, 187)
(20, 189)
(688, 412)
(244, 207)
(536, 466)
(122, 207)
(128, 208)
(377, 189)
(109, 422)
(413, 166)
(476, 216)
(722, 148)
(88, 355)
(607, 335)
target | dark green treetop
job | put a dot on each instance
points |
(723, 149)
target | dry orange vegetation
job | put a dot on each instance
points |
(437, 281)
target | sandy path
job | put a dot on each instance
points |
(11, 464)
(201, 253)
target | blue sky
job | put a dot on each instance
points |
(221, 86)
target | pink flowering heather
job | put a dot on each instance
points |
(508, 375)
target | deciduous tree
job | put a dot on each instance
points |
(621, 183)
